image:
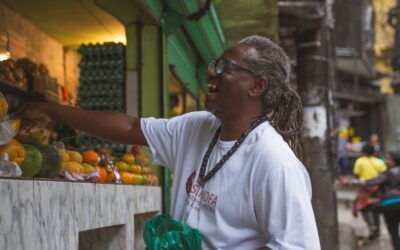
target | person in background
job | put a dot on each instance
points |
(368, 167)
(237, 176)
(343, 167)
(389, 194)
(378, 147)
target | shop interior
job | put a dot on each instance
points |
(71, 53)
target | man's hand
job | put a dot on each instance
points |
(34, 115)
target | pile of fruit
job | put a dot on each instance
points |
(28, 152)
(35, 158)
(133, 166)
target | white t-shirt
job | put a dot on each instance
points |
(260, 197)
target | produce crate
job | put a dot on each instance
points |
(102, 86)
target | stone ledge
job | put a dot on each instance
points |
(42, 214)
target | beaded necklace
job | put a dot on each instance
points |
(203, 178)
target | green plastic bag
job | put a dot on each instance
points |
(164, 233)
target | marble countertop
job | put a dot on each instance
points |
(65, 180)
(38, 213)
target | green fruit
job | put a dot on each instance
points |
(32, 162)
(51, 161)
(146, 179)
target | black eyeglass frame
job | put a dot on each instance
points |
(220, 70)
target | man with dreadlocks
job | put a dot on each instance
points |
(237, 177)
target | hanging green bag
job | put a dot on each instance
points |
(164, 233)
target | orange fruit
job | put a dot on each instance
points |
(142, 160)
(110, 176)
(146, 179)
(90, 156)
(153, 179)
(136, 169)
(137, 149)
(122, 166)
(137, 179)
(147, 170)
(126, 177)
(102, 173)
(128, 158)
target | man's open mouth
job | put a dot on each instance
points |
(212, 88)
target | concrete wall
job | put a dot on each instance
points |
(26, 40)
(49, 215)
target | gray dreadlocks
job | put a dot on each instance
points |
(282, 104)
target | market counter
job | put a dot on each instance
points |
(48, 215)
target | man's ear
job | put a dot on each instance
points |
(259, 87)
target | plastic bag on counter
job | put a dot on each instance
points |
(164, 233)
(7, 131)
(9, 168)
(80, 177)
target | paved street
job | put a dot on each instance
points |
(353, 231)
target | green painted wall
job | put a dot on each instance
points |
(131, 47)
(152, 83)
(151, 78)
(183, 60)
(205, 33)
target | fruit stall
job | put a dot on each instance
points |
(60, 188)
(55, 197)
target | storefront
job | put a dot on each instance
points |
(144, 58)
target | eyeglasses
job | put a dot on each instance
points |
(219, 66)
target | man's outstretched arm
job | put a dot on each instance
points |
(113, 126)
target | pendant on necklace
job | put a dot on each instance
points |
(200, 182)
